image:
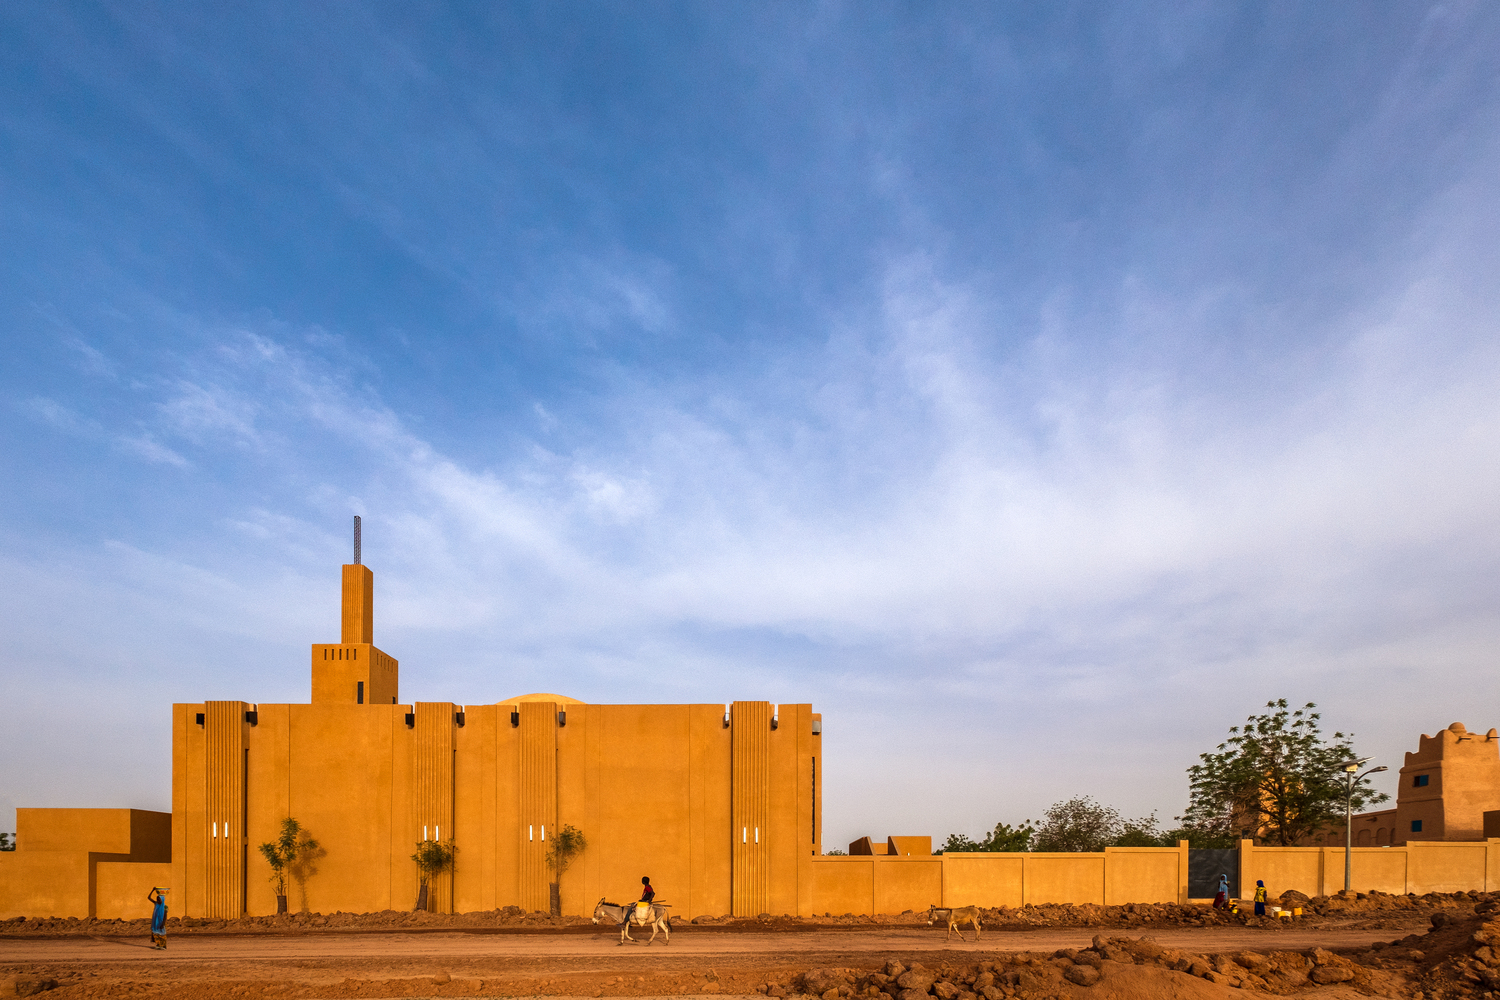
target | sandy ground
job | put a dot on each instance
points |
(577, 963)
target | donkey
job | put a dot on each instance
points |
(653, 914)
(960, 915)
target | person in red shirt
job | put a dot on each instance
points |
(647, 893)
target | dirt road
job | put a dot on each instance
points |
(851, 946)
(404, 964)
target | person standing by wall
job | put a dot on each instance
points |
(1221, 898)
(158, 895)
(1260, 898)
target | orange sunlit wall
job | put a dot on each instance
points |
(717, 804)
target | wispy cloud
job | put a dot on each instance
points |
(1070, 390)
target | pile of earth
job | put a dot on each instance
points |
(1141, 964)
(1456, 959)
(289, 923)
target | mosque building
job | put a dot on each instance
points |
(718, 804)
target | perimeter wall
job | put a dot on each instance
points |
(884, 884)
(1418, 867)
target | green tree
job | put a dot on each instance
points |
(1276, 775)
(433, 858)
(1143, 832)
(565, 845)
(7, 842)
(283, 853)
(1079, 824)
(1003, 838)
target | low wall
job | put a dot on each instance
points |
(1418, 867)
(61, 856)
(880, 884)
(120, 888)
(44, 884)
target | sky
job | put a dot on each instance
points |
(1037, 390)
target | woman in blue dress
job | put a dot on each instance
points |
(158, 896)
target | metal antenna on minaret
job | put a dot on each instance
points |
(356, 539)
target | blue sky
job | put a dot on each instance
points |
(1036, 390)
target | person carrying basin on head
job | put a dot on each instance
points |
(158, 895)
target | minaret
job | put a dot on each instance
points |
(353, 671)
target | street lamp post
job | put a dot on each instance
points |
(1350, 780)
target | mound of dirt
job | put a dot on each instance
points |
(1113, 967)
(383, 920)
(1457, 958)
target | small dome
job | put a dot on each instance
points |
(1457, 727)
(560, 699)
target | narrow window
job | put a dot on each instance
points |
(1416, 826)
(359, 692)
(1420, 781)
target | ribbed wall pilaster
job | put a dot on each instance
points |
(750, 733)
(224, 833)
(538, 800)
(432, 800)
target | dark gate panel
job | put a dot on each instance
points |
(1204, 868)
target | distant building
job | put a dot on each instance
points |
(1449, 790)
(903, 847)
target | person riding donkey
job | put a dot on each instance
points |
(647, 895)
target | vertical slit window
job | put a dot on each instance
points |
(359, 692)
(814, 800)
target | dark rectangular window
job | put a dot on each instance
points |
(1420, 781)
(359, 692)
(1416, 826)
